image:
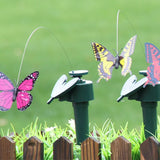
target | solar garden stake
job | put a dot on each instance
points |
(148, 96)
(79, 92)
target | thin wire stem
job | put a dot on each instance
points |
(117, 30)
(26, 45)
(62, 47)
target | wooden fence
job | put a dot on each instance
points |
(90, 149)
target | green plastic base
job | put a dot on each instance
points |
(149, 118)
(81, 121)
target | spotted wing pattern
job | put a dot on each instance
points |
(153, 57)
(24, 99)
(106, 61)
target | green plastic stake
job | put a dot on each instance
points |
(81, 121)
(79, 92)
(149, 110)
(148, 96)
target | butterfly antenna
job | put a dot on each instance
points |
(117, 31)
(26, 45)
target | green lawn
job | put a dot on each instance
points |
(75, 24)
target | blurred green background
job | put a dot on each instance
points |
(75, 24)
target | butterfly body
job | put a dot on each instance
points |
(117, 62)
(9, 93)
(153, 57)
(108, 61)
(15, 92)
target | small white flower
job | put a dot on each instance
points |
(72, 123)
(49, 129)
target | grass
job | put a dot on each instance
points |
(76, 24)
(105, 135)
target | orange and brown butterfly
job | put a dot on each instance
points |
(108, 61)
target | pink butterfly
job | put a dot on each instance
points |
(9, 93)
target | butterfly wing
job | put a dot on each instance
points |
(153, 71)
(105, 70)
(6, 100)
(126, 65)
(23, 98)
(152, 53)
(5, 83)
(101, 53)
(6, 92)
(125, 60)
(107, 61)
(129, 47)
(28, 83)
